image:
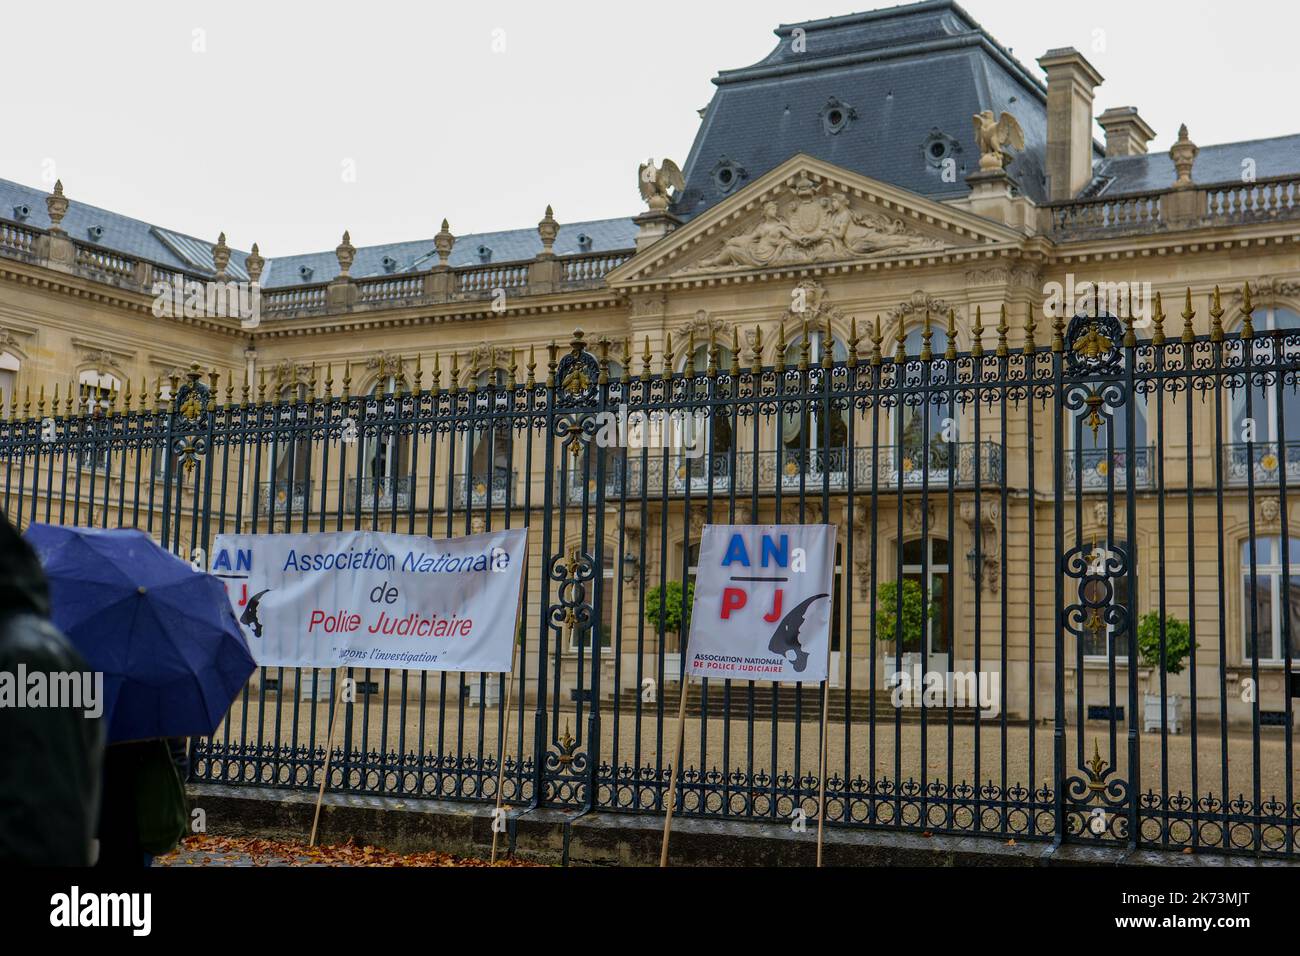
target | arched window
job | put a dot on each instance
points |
(1100, 638)
(98, 391)
(488, 440)
(8, 380)
(608, 596)
(927, 564)
(290, 453)
(929, 430)
(696, 460)
(1266, 611)
(815, 442)
(385, 453)
(1262, 434)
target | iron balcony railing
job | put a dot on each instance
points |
(965, 463)
(1264, 459)
(480, 489)
(385, 491)
(286, 494)
(1096, 468)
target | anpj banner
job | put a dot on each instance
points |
(373, 599)
(763, 601)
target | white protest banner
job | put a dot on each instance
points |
(374, 599)
(762, 608)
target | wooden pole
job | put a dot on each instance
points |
(329, 751)
(678, 749)
(505, 735)
(821, 773)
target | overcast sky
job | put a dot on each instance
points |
(286, 123)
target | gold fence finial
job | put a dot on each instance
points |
(56, 397)
(1158, 322)
(828, 347)
(853, 342)
(311, 384)
(551, 363)
(40, 403)
(27, 402)
(876, 338)
(712, 355)
(67, 402)
(666, 366)
(1058, 330)
(950, 350)
(977, 334)
(926, 334)
(1216, 315)
(261, 385)
(1003, 328)
(453, 373)
(646, 358)
(627, 359)
(602, 375)
(900, 351)
(126, 398)
(1130, 336)
(805, 348)
(329, 380)
(436, 374)
(514, 367)
(532, 366)
(756, 351)
(1247, 307)
(1030, 345)
(779, 365)
(735, 351)
(1189, 334)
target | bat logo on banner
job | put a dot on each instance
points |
(785, 641)
(249, 617)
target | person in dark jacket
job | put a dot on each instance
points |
(50, 756)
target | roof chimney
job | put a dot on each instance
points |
(1070, 82)
(1127, 134)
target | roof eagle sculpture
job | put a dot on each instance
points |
(655, 183)
(995, 138)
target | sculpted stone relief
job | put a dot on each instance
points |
(814, 228)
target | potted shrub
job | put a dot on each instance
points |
(907, 656)
(1178, 646)
(673, 608)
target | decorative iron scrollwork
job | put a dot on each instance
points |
(1098, 801)
(1092, 345)
(577, 375)
(191, 402)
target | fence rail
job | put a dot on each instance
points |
(1063, 601)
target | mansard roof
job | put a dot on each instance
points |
(907, 75)
(1122, 175)
(136, 238)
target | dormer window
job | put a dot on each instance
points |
(584, 242)
(305, 273)
(727, 174)
(836, 116)
(96, 233)
(939, 146)
(22, 211)
(389, 264)
(484, 254)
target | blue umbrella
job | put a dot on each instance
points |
(163, 635)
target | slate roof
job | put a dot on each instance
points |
(1122, 175)
(156, 244)
(907, 71)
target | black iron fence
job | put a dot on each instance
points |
(1105, 637)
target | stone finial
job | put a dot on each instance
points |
(254, 264)
(548, 229)
(221, 256)
(346, 253)
(57, 205)
(443, 242)
(1183, 153)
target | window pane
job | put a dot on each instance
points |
(1258, 609)
(912, 552)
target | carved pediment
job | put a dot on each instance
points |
(813, 224)
(809, 213)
